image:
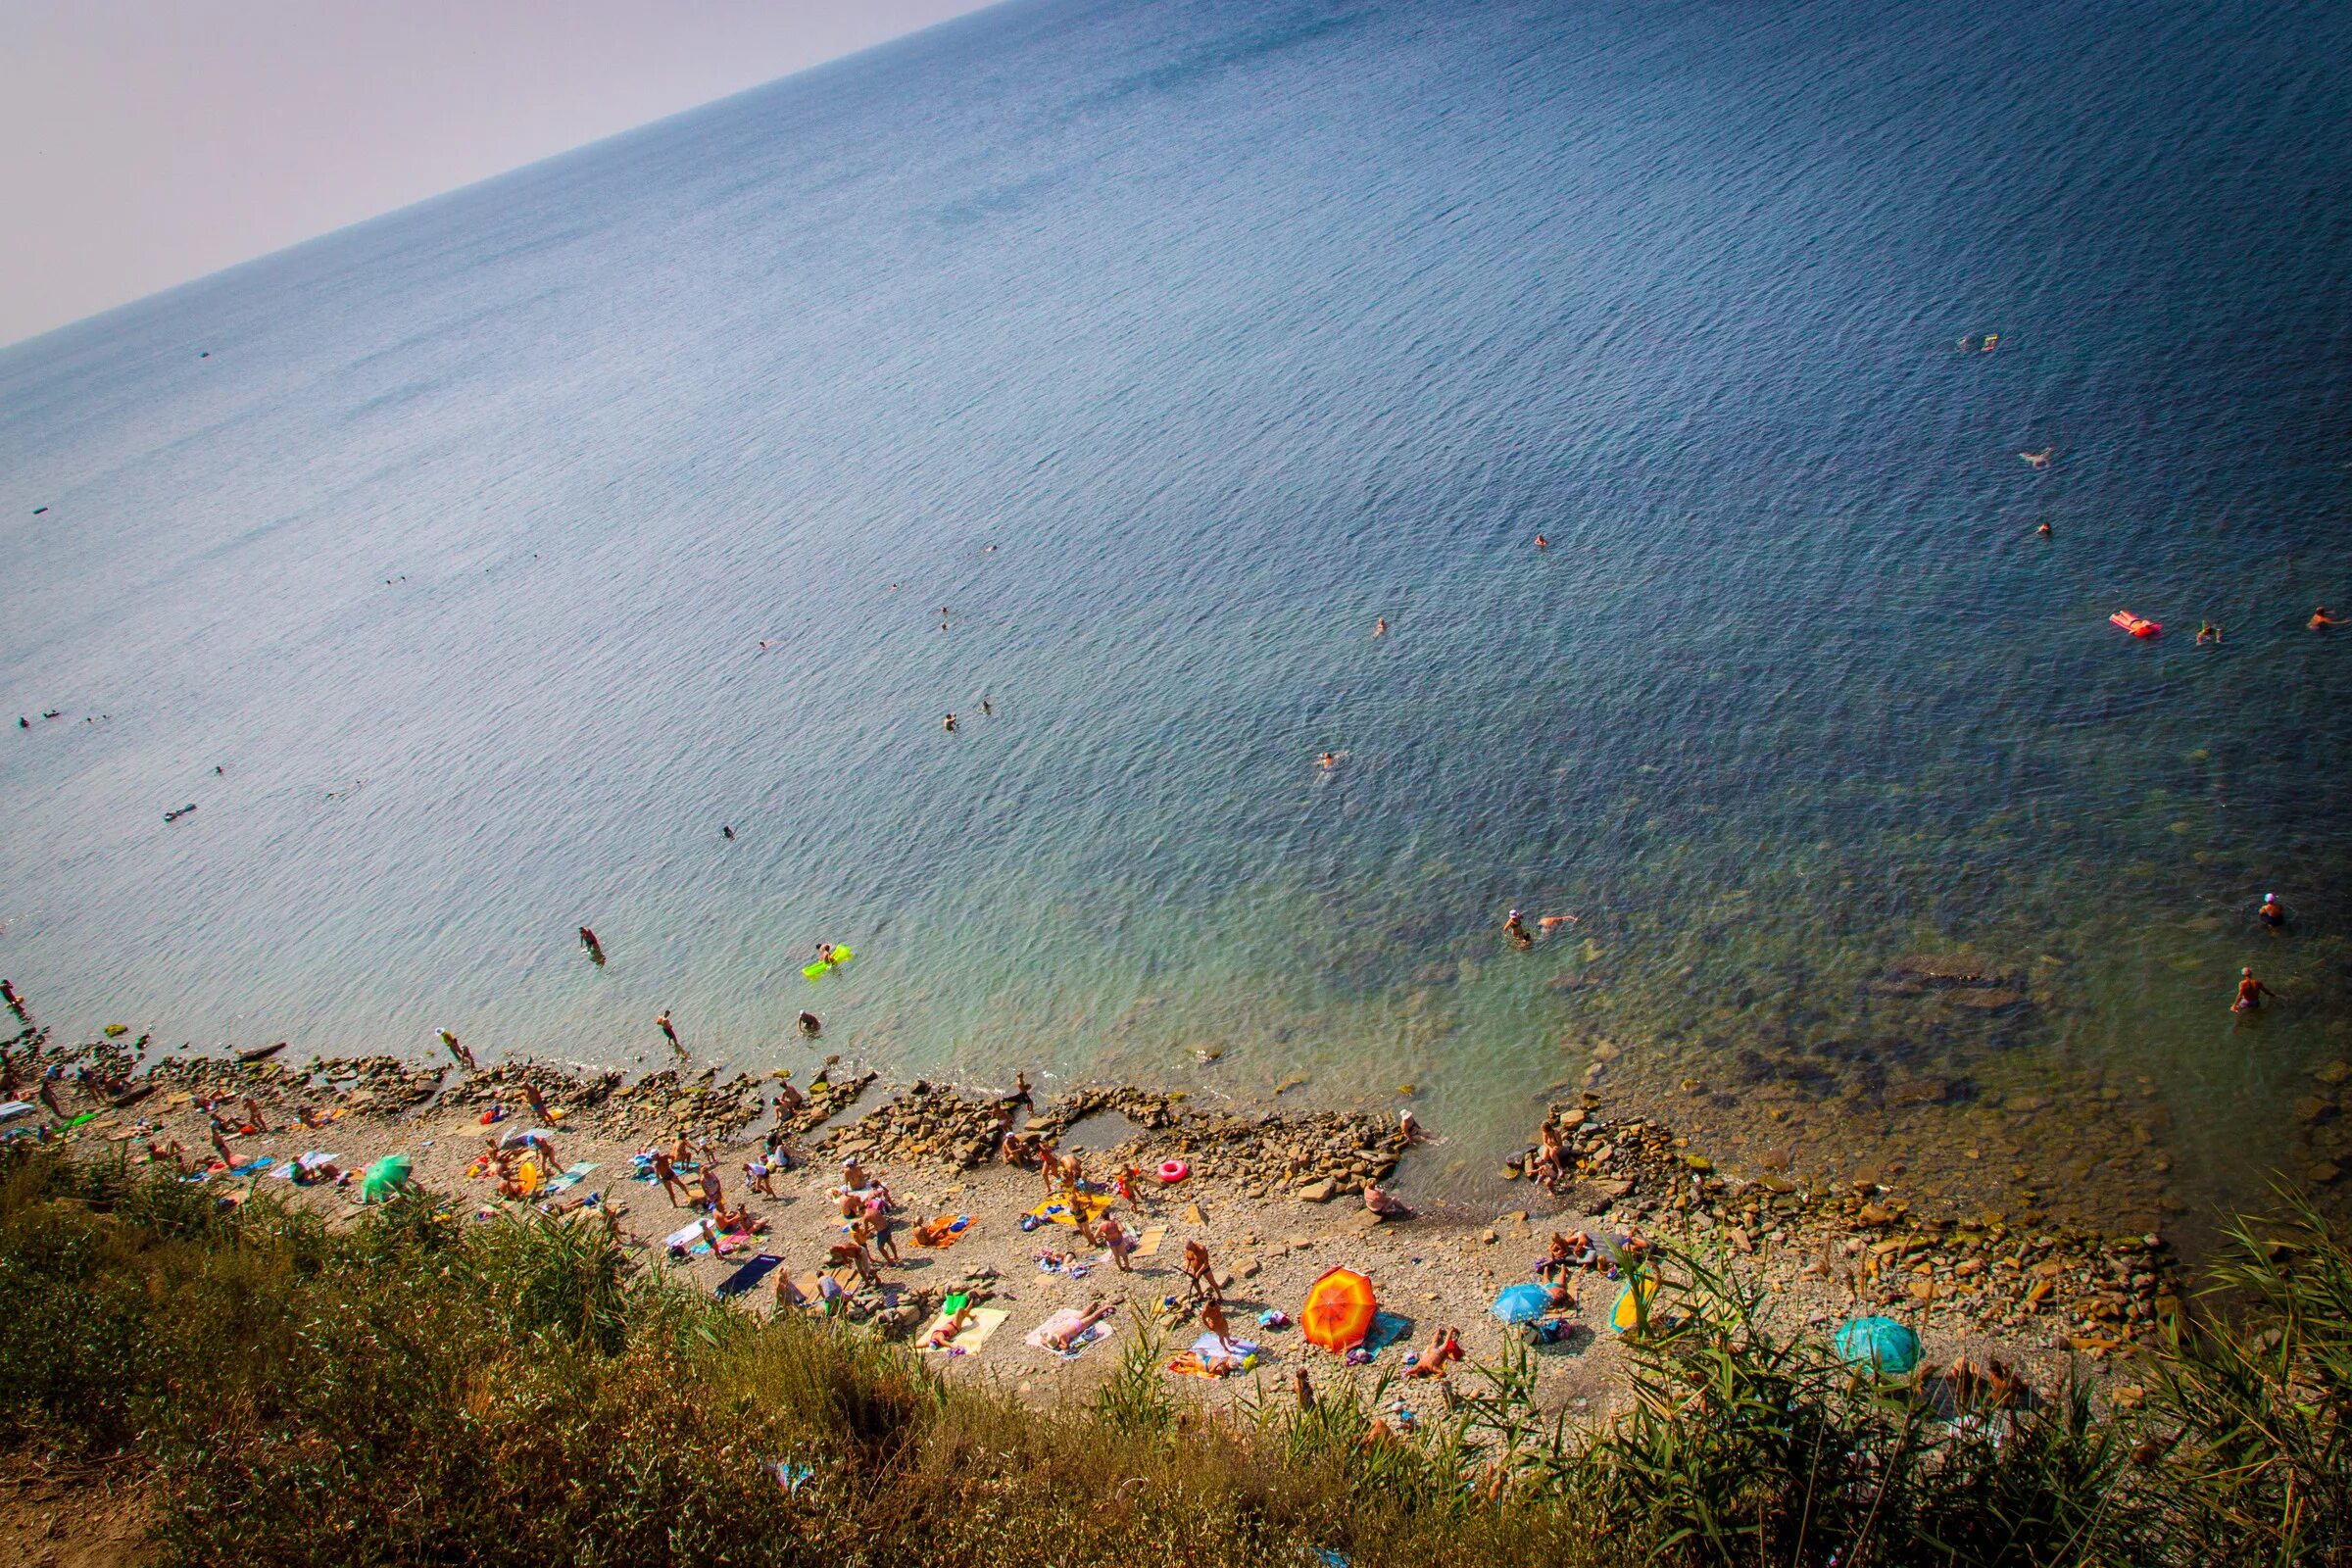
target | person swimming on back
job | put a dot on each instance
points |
(2250, 992)
(2273, 914)
(1328, 761)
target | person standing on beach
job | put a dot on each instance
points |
(464, 1058)
(661, 1022)
(1199, 1273)
(2250, 992)
(1213, 1318)
(1114, 1239)
(537, 1102)
(671, 1184)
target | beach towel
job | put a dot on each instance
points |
(573, 1177)
(260, 1163)
(728, 1242)
(1385, 1330)
(15, 1108)
(984, 1321)
(945, 1231)
(1148, 1244)
(309, 1161)
(1061, 1322)
(1207, 1348)
(1206, 1359)
(749, 1275)
(683, 1236)
(1060, 1211)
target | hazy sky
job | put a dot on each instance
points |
(146, 142)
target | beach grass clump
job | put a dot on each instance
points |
(413, 1388)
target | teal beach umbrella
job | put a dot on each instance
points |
(1880, 1344)
(385, 1177)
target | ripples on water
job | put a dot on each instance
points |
(1230, 328)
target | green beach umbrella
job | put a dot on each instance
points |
(385, 1177)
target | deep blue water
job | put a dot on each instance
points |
(1167, 346)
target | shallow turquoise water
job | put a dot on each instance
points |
(1230, 328)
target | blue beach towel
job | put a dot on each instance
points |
(750, 1275)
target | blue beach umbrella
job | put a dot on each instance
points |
(1879, 1342)
(1521, 1303)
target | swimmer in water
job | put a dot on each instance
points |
(1543, 543)
(1380, 627)
(2043, 530)
(725, 831)
(1514, 926)
(2320, 620)
(2208, 632)
(947, 722)
(812, 1025)
(2273, 914)
(766, 645)
(2250, 992)
(1551, 922)
(988, 708)
(1328, 761)
(2038, 460)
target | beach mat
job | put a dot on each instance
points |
(572, 1176)
(985, 1321)
(748, 1276)
(1148, 1244)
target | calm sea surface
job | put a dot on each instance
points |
(1167, 346)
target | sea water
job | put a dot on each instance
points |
(1159, 350)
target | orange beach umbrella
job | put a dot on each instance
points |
(1339, 1309)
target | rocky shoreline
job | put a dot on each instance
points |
(1818, 1248)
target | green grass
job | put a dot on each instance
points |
(413, 1390)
